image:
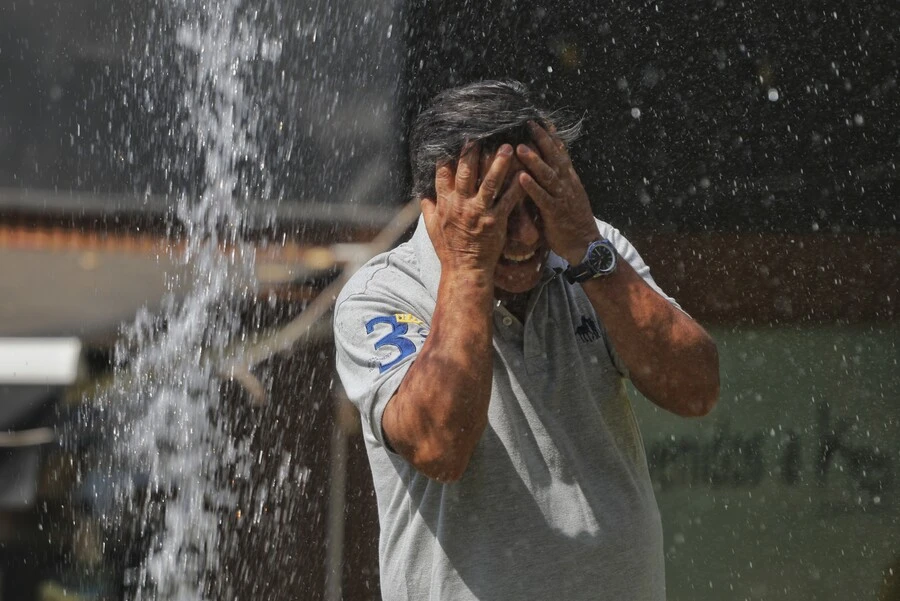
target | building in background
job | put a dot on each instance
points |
(748, 151)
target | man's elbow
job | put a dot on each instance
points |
(706, 392)
(702, 404)
(696, 390)
(444, 454)
(450, 473)
(440, 449)
(441, 462)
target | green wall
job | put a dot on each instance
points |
(790, 488)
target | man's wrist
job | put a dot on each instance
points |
(578, 246)
(471, 279)
(466, 293)
(576, 256)
(576, 253)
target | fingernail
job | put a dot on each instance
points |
(506, 150)
(523, 149)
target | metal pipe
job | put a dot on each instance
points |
(337, 499)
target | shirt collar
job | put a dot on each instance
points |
(430, 265)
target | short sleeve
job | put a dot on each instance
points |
(630, 254)
(378, 333)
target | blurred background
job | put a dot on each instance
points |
(748, 150)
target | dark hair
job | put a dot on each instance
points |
(489, 112)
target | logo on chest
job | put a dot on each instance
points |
(588, 330)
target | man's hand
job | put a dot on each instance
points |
(556, 190)
(467, 222)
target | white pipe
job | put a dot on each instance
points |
(39, 360)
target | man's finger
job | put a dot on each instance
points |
(496, 175)
(541, 197)
(443, 180)
(513, 195)
(544, 173)
(467, 170)
(555, 155)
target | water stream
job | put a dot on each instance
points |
(173, 437)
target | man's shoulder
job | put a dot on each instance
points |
(388, 272)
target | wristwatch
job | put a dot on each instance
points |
(600, 260)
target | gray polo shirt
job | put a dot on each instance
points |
(556, 502)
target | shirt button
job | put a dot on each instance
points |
(507, 320)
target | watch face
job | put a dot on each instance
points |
(602, 258)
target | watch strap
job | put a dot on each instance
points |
(578, 273)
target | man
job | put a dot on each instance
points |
(487, 357)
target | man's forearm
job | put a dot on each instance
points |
(670, 358)
(439, 413)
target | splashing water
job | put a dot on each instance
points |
(165, 403)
